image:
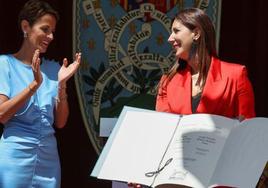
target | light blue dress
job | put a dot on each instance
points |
(28, 148)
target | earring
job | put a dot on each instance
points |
(25, 34)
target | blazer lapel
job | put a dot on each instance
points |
(213, 89)
(180, 92)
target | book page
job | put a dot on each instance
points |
(244, 156)
(136, 146)
(195, 150)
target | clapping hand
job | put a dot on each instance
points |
(36, 67)
(66, 71)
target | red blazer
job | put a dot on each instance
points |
(227, 92)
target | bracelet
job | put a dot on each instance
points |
(63, 98)
(62, 87)
(31, 89)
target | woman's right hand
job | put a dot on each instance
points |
(36, 68)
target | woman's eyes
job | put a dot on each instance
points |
(175, 30)
(46, 30)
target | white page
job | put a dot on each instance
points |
(95, 172)
(245, 155)
(137, 146)
(195, 155)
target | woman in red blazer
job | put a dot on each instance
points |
(199, 82)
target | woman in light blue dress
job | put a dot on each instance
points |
(32, 98)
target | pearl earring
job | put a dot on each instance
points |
(25, 35)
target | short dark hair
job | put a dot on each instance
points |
(35, 9)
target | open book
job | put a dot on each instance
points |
(199, 150)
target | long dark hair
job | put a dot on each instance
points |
(194, 18)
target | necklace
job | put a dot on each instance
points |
(196, 89)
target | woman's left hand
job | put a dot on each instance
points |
(66, 71)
